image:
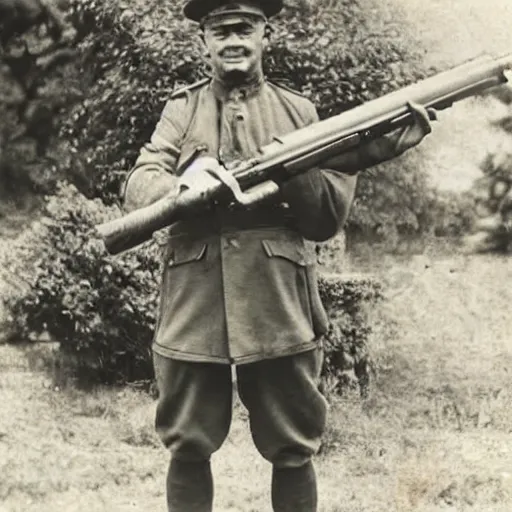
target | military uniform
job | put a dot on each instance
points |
(246, 278)
(238, 286)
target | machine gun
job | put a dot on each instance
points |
(257, 179)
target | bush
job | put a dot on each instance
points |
(102, 309)
(347, 299)
(492, 193)
(37, 84)
(394, 203)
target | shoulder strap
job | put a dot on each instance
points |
(189, 88)
(192, 100)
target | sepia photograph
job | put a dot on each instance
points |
(255, 255)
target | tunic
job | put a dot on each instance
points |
(238, 285)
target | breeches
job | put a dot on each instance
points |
(287, 412)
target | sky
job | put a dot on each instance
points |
(457, 30)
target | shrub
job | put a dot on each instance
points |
(492, 193)
(102, 309)
(394, 203)
(347, 299)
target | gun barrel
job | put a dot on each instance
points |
(439, 92)
(139, 225)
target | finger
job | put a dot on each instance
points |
(432, 114)
(420, 116)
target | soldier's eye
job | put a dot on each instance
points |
(220, 34)
(245, 29)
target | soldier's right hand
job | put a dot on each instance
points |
(199, 174)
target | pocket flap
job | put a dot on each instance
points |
(186, 253)
(290, 250)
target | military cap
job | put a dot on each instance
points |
(200, 10)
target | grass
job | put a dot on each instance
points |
(433, 436)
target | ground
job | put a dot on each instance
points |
(435, 434)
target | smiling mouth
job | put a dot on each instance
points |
(234, 55)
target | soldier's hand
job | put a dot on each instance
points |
(421, 126)
(197, 174)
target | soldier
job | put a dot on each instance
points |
(239, 286)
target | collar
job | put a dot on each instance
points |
(228, 92)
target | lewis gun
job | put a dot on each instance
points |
(258, 178)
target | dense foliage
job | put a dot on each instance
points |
(101, 309)
(347, 352)
(38, 83)
(396, 203)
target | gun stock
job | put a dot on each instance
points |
(307, 147)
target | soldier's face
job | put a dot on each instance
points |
(236, 47)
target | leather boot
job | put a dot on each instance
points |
(189, 486)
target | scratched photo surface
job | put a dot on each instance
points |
(417, 367)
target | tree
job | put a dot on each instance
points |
(35, 61)
(493, 192)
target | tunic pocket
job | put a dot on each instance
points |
(304, 258)
(289, 250)
(187, 265)
(287, 277)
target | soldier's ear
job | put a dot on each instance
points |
(206, 53)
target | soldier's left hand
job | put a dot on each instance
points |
(421, 126)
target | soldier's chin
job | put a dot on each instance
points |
(236, 75)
